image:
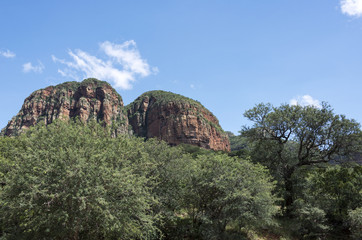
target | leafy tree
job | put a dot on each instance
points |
(288, 137)
(238, 145)
(337, 190)
(355, 222)
(75, 182)
(236, 142)
(221, 190)
(334, 190)
(312, 220)
(193, 150)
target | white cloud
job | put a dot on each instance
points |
(305, 100)
(28, 67)
(352, 7)
(122, 64)
(7, 54)
(192, 86)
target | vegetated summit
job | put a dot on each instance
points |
(167, 116)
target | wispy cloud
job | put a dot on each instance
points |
(352, 7)
(122, 65)
(28, 67)
(305, 100)
(7, 53)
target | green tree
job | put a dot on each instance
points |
(312, 220)
(69, 181)
(238, 146)
(355, 222)
(335, 190)
(75, 181)
(288, 137)
(221, 190)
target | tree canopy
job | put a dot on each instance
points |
(288, 137)
(75, 181)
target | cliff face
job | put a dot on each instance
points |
(176, 119)
(88, 100)
(167, 116)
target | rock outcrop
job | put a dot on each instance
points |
(88, 100)
(167, 116)
(176, 119)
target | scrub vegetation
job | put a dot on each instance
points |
(289, 177)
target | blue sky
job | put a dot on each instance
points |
(229, 55)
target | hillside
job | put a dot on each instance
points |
(176, 119)
(167, 116)
(88, 100)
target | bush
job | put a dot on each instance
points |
(312, 220)
(355, 222)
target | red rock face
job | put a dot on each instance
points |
(176, 121)
(167, 116)
(89, 100)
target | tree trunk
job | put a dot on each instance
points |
(288, 195)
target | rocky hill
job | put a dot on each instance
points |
(176, 119)
(88, 100)
(167, 116)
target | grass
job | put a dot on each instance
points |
(163, 97)
(73, 85)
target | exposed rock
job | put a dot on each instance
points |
(88, 100)
(176, 119)
(167, 116)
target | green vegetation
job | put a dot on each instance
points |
(298, 144)
(70, 180)
(239, 145)
(64, 182)
(75, 181)
(355, 222)
(324, 197)
(163, 97)
(288, 137)
(73, 86)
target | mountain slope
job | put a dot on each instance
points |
(88, 100)
(176, 119)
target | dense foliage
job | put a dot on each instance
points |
(307, 150)
(288, 137)
(221, 190)
(334, 192)
(74, 181)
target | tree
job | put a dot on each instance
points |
(355, 222)
(221, 190)
(338, 190)
(288, 137)
(335, 190)
(69, 181)
(75, 181)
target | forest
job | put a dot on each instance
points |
(294, 173)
